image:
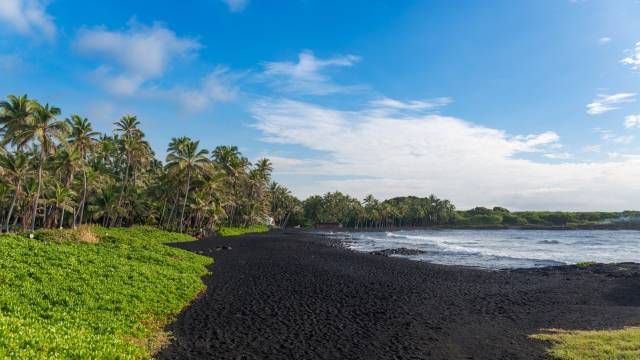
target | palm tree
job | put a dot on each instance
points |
(62, 198)
(264, 167)
(257, 183)
(15, 111)
(43, 128)
(83, 138)
(16, 167)
(129, 125)
(230, 161)
(131, 135)
(187, 159)
(105, 205)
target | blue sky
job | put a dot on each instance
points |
(525, 104)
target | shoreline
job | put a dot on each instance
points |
(403, 253)
(595, 227)
(296, 296)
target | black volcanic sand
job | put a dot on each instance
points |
(294, 296)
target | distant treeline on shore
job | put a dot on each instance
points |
(343, 210)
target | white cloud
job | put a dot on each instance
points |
(133, 56)
(623, 139)
(609, 135)
(306, 75)
(604, 40)
(28, 17)
(236, 5)
(218, 86)
(391, 155)
(416, 105)
(605, 103)
(559, 156)
(634, 59)
(546, 138)
(595, 148)
(631, 121)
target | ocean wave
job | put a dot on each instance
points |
(548, 242)
(503, 249)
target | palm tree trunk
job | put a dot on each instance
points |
(184, 203)
(62, 218)
(35, 203)
(286, 220)
(13, 203)
(164, 204)
(84, 195)
(124, 189)
(173, 208)
(44, 216)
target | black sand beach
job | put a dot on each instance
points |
(275, 296)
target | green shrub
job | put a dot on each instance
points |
(486, 220)
(585, 264)
(534, 219)
(233, 231)
(623, 344)
(558, 218)
(74, 299)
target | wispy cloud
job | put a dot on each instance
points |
(470, 164)
(633, 59)
(217, 86)
(632, 121)
(415, 105)
(28, 17)
(609, 135)
(559, 156)
(604, 40)
(134, 55)
(606, 103)
(236, 5)
(623, 139)
(594, 148)
(307, 74)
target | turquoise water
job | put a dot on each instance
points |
(500, 249)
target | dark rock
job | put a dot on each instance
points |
(398, 251)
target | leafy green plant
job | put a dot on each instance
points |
(234, 231)
(585, 264)
(621, 344)
(81, 300)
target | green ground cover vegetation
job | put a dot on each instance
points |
(623, 344)
(234, 231)
(93, 292)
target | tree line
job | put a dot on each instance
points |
(338, 209)
(371, 213)
(62, 173)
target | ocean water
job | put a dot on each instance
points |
(503, 249)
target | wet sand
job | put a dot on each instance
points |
(296, 296)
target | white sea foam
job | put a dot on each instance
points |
(496, 249)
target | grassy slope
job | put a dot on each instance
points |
(233, 231)
(64, 299)
(593, 345)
